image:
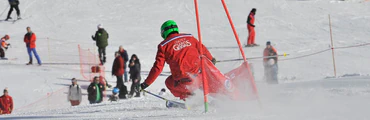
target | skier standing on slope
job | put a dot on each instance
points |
(13, 5)
(181, 52)
(250, 25)
(101, 38)
(6, 103)
(118, 70)
(270, 61)
(74, 93)
(135, 68)
(124, 55)
(4, 45)
(30, 40)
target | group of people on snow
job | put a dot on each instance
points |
(96, 89)
(29, 40)
(178, 50)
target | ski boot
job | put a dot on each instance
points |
(8, 18)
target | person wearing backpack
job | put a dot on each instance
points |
(74, 93)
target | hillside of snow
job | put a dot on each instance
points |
(307, 88)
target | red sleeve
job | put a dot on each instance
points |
(157, 67)
(207, 53)
(114, 68)
(122, 63)
(3, 44)
(33, 38)
(265, 53)
(11, 105)
(274, 50)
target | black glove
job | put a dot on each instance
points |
(9, 44)
(253, 25)
(143, 85)
(214, 61)
(92, 36)
(6, 48)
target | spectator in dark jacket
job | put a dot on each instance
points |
(124, 55)
(95, 91)
(13, 5)
(101, 38)
(135, 68)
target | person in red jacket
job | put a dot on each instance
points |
(4, 45)
(6, 103)
(270, 60)
(118, 71)
(30, 40)
(250, 25)
(267, 51)
(181, 52)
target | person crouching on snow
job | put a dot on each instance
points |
(270, 63)
(4, 45)
(74, 93)
(114, 96)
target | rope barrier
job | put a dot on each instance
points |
(302, 56)
(305, 55)
(41, 99)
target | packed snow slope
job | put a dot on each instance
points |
(297, 27)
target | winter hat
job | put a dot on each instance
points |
(6, 37)
(74, 80)
(268, 43)
(5, 90)
(254, 10)
(100, 26)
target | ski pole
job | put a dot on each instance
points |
(155, 95)
(4, 11)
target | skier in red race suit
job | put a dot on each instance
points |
(181, 52)
(250, 25)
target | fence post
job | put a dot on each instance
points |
(332, 47)
(48, 48)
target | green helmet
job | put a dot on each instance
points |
(168, 27)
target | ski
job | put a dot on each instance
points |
(15, 20)
(174, 104)
(8, 58)
(169, 103)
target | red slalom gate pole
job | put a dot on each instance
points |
(205, 81)
(240, 47)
